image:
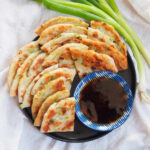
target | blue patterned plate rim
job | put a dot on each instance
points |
(103, 127)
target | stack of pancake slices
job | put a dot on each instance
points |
(42, 71)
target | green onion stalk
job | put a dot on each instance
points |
(111, 8)
(87, 12)
(38, 0)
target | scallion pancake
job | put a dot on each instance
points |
(27, 100)
(18, 60)
(106, 33)
(55, 31)
(51, 87)
(30, 74)
(63, 39)
(104, 48)
(88, 61)
(56, 97)
(60, 20)
(62, 54)
(59, 116)
(23, 68)
(52, 75)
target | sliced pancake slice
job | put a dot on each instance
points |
(62, 54)
(36, 66)
(27, 100)
(59, 72)
(55, 31)
(59, 117)
(106, 33)
(56, 97)
(60, 20)
(23, 68)
(101, 47)
(51, 87)
(62, 40)
(87, 61)
(18, 60)
(29, 75)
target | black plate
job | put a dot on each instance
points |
(82, 133)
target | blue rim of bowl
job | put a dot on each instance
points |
(103, 127)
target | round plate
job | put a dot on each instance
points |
(81, 132)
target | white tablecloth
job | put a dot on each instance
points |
(18, 19)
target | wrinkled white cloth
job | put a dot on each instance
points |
(142, 7)
(18, 19)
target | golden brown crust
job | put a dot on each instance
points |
(57, 87)
(60, 20)
(56, 97)
(87, 61)
(69, 125)
(18, 60)
(50, 76)
(97, 24)
(23, 68)
(59, 117)
(51, 114)
(38, 63)
(93, 60)
(63, 39)
(101, 47)
(33, 70)
(53, 31)
(112, 31)
(61, 56)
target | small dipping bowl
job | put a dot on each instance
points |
(104, 126)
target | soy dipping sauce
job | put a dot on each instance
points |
(103, 100)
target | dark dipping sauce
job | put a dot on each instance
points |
(103, 100)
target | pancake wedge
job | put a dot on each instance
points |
(87, 61)
(23, 68)
(55, 30)
(27, 100)
(59, 72)
(28, 76)
(103, 48)
(59, 117)
(56, 97)
(61, 56)
(64, 38)
(60, 20)
(18, 60)
(51, 87)
(106, 33)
